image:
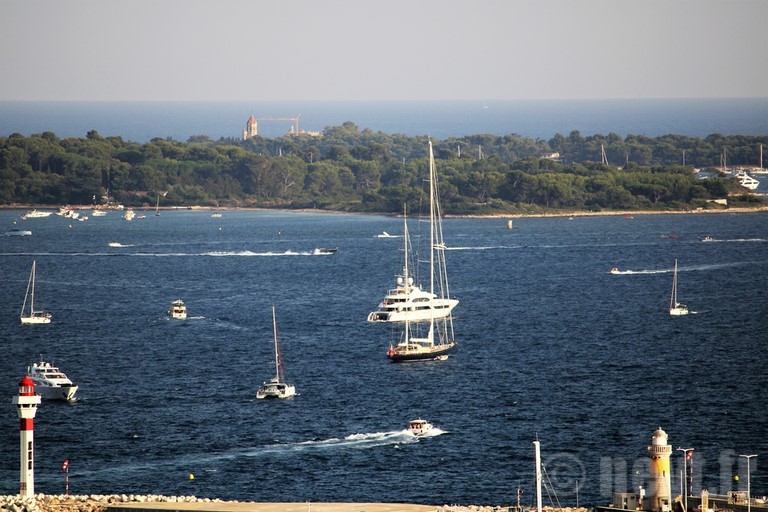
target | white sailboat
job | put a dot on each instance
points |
(277, 387)
(34, 317)
(439, 338)
(675, 308)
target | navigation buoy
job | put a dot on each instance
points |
(191, 476)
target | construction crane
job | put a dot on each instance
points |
(294, 119)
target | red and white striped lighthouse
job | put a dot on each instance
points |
(26, 405)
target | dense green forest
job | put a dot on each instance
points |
(360, 170)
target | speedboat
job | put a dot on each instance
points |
(326, 250)
(707, 239)
(419, 427)
(384, 234)
(178, 310)
(615, 270)
(18, 232)
(115, 244)
(50, 382)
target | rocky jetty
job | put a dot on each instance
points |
(87, 503)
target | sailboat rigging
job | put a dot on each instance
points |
(34, 317)
(277, 387)
(675, 308)
(439, 338)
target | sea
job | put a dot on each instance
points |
(538, 119)
(552, 347)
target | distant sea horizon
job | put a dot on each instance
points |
(141, 121)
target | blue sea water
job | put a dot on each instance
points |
(552, 346)
(541, 119)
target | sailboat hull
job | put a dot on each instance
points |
(36, 318)
(275, 390)
(678, 310)
(406, 353)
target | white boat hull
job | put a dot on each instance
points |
(36, 319)
(679, 310)
(56, 392)
(275, 390)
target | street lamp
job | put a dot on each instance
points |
(749, 492)
(685, 475)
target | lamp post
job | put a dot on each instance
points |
(749, 492)
(685, 475)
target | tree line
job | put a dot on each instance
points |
(360, 170)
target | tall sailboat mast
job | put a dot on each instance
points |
(406, 282)
(277, 352)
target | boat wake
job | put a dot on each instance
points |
(691, 268)
(353, 441)
(314, 252)
(395, 438)
(481, 248)
(743, 240)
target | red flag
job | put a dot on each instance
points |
(65, 466)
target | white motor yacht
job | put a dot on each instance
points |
(50, 382)
(178, 310)
(419, 427)
(746, 181)
(407, 301)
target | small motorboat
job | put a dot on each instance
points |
(50, 382)
(615, 270)
(384, 234)
(326, 250)
(178, 310)
(18, 232)
(115, 244)
(707, 239)
(419, 427)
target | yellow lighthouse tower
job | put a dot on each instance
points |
(659, 492)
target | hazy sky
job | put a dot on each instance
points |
(264, 50)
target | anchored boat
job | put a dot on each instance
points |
(277, 387)
(33, 317)
(414, 345)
